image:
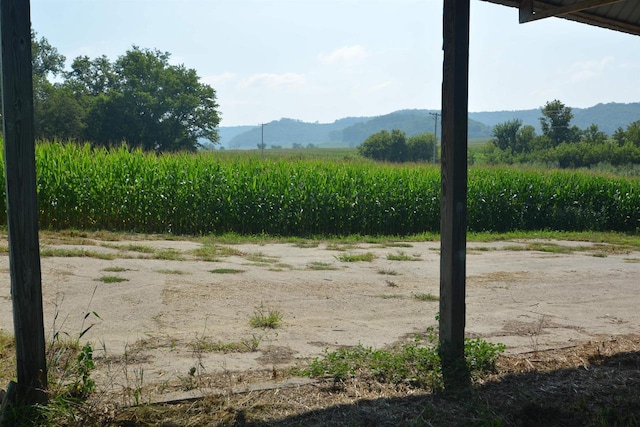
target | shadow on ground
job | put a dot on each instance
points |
(593, 384)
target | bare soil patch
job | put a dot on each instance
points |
(176, 312)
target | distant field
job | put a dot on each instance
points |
(340, 153)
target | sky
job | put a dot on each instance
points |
(322, 60)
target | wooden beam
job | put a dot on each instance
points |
(526, 11)
(453, 207)
(22, 212)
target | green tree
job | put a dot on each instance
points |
(555, 123)
(147, 102)
(385, 146)
(91, 77)
(58, 113)
(619, 136)
(525, 139)
(505, 134)
(397, 146)
(593, 135)
(420, 147)
(511, 135)
(376, 146)
(632, 134)
(45, 58)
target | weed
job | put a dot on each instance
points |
(7, 357)
(167, 271)
(481, 355)
(367, 257)
(307, 244)
(416, 362)
(388, 272)
(265, 318)
(401, 256)
(260, 258)
(75, 253)
(130, 248)
(398, 245)
(115, 269)
(391, 283)
(189, 382)
(341, 246)
(168, 254)
(425, 297)
(226, 271)
(246, 345)
(112, 279)
(549, 247)
(390, 296)
(213, 253)
(318, 265)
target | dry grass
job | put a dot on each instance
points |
(597, 383)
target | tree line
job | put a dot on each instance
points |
(139, 99)
(561, 143)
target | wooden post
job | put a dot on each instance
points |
(22, 212)
(453, 208)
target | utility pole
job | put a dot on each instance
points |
(435, 134)
(262, 125)
(22, 211)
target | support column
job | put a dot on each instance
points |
(22, 212)
(453, 208)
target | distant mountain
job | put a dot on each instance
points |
(412, 122)
(286, 132)
(227, 133)
(352, 131)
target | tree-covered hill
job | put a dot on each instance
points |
(608, 117)
(352, 131)
(287, 132)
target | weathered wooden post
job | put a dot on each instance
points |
(453, 208)
(22, 213)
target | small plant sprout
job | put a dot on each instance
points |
(265, 318)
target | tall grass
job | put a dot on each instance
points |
(119, 189)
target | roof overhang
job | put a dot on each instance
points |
(619, 15)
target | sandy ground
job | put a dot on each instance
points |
(528, 300)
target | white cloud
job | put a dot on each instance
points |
(587, 70)
(381, 86)
(276, 81)
(219, 78)
(353, 53)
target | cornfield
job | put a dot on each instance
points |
(118, 189)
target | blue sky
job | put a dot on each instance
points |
(321, 60)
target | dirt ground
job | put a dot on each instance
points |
(170, 314)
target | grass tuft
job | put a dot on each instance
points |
(425, 297)
(402, 256)
(265, 318)
(350, 257)
(112, 279)
(226, 271)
